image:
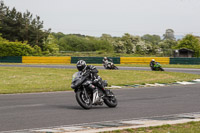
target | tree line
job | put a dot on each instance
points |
(22, 34)
(22, 28)
(128, 44)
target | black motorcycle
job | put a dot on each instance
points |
(85, 95)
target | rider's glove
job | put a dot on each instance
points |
(86, 72)
(96, 81)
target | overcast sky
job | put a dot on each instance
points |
(115, 17)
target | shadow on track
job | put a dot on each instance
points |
(77, 107)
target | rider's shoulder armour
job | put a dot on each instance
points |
(92, 68)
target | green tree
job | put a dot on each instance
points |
(58, 35)
(51, 44)
(130, 42)
(143, 48)
(17, 26)
(83, 43)
(190, 42)
(119, 47)
(106, 37)
(152, 42)
(169, 35)
(37, 50)
(153, 39)
(167, 46)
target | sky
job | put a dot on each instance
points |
(114, 17)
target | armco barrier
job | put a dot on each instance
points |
(143, 60)
(51, 60)
(97, 60)
(11, 59)
(94, 60)
(185, 61)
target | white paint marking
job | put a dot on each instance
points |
(150, 85)
(139, 122)
(185, 83)
(157, 84)
(197, 80)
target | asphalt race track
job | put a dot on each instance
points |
(39, 110)
(185, 70)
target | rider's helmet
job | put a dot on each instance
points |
(81, 65)
(105, 58)
(153, 60)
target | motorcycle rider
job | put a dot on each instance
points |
(92, 71)
(152, 63)
(105, 62)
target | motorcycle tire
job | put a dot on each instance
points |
(81, 101)
(111, 101)
(116, 68)
(161, 69)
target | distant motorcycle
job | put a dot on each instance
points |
(110, 65)
(85, 96)
(158, 67)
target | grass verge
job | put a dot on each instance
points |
(26, 80)
(190, 127)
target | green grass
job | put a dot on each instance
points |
(191, 127)
(26, 80)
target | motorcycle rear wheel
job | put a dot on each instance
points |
(82, 100)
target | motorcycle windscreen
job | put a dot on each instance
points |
(76, 79)
(76, 76)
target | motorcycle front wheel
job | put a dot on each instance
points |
(84, 101)
(116, 68)
(111, 101)
(161, 69)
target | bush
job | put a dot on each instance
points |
(77, 43)
(14, 48)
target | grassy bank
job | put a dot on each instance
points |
(191, 127)
(25, 80)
